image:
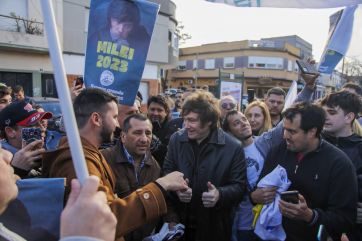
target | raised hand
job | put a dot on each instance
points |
(210, 198)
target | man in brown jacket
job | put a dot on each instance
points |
(96, 114)
(132, 163)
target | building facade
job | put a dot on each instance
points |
(305, 47)
(24, 55)
(259, 65)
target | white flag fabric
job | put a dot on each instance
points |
(292, 95)
(289, 3)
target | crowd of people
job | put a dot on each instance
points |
(196, 160)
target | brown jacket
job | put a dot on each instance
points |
(127, 181)
(140, 207)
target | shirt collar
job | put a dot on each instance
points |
(130, 158)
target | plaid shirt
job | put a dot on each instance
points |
(131, 160)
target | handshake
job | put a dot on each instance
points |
(209, 198)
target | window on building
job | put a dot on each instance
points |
(144, 89)
(296, 67)
(49, 86)
(229, 62)
(181, 65)
(265, 62)
(290, 65)
(195, 64)
(174, 45)
(209, 63)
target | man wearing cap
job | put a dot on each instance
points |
(13, 118)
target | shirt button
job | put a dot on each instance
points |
(146, 195)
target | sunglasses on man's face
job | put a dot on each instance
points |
(228, 106)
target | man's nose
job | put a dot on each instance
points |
(285, 134)
(186, 124)
(143, 138)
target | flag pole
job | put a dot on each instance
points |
(63, 91)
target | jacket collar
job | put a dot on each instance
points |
(216, 136)
(354, 138)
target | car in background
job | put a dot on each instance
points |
(52, 105)
(171, 91)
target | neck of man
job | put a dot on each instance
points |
(275, 119)
(137, 159)
(313, 145)
(90, 136)
(343, 132)
(203, 138)
(247, 141)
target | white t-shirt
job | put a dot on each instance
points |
(254, 165)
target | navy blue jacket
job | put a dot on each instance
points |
(326, 178)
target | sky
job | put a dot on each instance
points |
(211, 23)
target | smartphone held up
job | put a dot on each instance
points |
(79, 81)
(290, 196)
(30, 135)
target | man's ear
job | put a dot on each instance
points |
(312, 132)
(96, 119)
(349, 117)
(123, 137)
(10, 132)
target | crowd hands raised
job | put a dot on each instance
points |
(177, 165)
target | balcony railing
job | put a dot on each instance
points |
(18, 24)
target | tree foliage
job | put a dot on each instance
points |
(352, 67)
(181, 34)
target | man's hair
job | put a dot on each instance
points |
(4, 90)
(311, 116)
(137, 116)
(205, 105)
(353, 86)
(91, 100)
(276, 91)
(161, 100)
(225, 122)
(18, 88)
(347, 101)
(123, 11)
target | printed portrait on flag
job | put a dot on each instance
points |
(119, 36)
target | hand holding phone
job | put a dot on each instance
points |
(307, 68)
(31, 134)
(79, 81)
(290, 196)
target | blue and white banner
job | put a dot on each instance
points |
(289, 3)
(119, 36)
(340, 35)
